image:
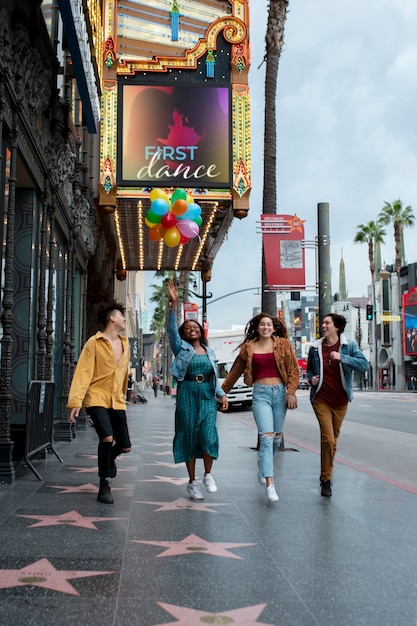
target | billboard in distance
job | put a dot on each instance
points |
(175, 136)
(410, 321)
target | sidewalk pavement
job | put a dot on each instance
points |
(155, 557)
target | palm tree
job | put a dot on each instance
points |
(401, 217)
(373, 234)
(274, 39)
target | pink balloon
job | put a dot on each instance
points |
(188, 228)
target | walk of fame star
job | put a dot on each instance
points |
(184, 504)
(193, 544)
(166, 479)
(247, 616)
(72, 518)
(43, 574)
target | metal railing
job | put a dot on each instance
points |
(39, 421)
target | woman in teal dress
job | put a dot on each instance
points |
(198, 392)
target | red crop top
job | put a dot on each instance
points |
(264, 366)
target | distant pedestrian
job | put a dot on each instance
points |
(99, 384)
(268, 362)
(330, 366)
(195, 369)
(130, 386)
(155, 384)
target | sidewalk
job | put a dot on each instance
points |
(154, 557)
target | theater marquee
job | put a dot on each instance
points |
(175, 135)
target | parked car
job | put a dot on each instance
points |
(240, 395)
(303, 382)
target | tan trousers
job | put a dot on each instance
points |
(330, 420)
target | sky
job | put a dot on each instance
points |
(347, 135)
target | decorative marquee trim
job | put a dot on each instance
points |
(234, 31)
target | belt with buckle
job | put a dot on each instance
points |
(198, 378)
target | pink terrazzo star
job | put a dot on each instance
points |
(183, 503)
(43, 574)
(72, 518)
(164, 464)
(193, 544)
(247, 616)
(89, 470)
(86, 488)
(168, 452)
(166, 479)
(159, 445)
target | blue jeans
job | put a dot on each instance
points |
(269, 410)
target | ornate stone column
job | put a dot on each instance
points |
(7, 473)
(49, 366)
(41, 334)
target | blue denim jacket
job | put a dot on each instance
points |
(351, 359)
(184, 352)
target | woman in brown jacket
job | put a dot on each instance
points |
(268, 363)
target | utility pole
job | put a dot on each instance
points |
(323, 247)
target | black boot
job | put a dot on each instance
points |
(104, 494)
(326, 489)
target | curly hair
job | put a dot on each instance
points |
(203, 340)
(251, 329)
(106, 309)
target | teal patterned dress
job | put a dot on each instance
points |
(195, 415)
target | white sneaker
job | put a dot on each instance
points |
(261, 479)
(208, 480)
(194, 491)
(271, 494)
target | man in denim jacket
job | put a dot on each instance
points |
(330, 366)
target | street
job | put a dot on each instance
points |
(378, 436)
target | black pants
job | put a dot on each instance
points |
(109, 423)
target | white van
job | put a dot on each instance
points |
(240, 395)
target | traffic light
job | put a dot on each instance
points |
(369, 312)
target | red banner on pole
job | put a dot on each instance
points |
(283, 238)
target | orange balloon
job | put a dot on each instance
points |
(179, 207)
(172, 237)
(157, 232)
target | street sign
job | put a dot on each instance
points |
(390, 318)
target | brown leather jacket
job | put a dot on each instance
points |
(284, 357)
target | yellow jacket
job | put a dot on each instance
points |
(98, 380)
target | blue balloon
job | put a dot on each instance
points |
(193, 211)
(160, 206)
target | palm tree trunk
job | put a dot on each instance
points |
(274, 42)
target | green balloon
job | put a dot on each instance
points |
(153, 217)
(178, 194)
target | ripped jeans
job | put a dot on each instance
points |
(269, 410)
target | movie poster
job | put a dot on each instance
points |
(174, 136)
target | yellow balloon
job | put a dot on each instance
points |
(158, 193)
(148, 223)
(189, 199)
(172, 237)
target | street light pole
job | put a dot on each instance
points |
(204, 297)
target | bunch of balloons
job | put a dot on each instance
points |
(175, 220)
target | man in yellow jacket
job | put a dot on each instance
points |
(99, 385)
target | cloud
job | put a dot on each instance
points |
(346, 130)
